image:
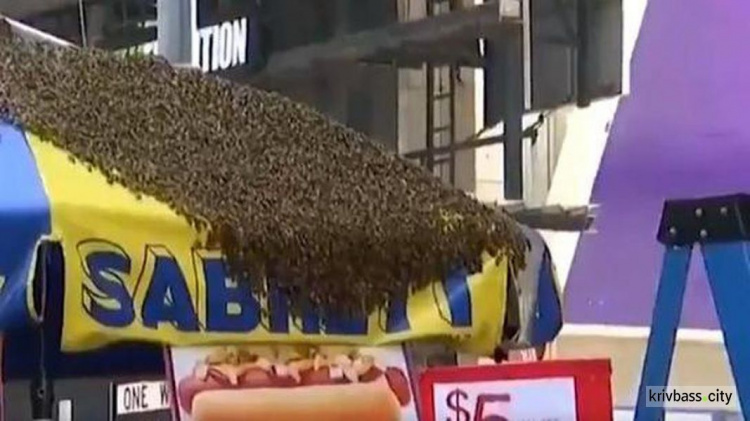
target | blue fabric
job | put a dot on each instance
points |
(21, 355)
(24, 219)
(548, 321)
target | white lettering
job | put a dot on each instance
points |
(215, 50)
(225, 46)
(205, 40)
(240, 42)
(216, 47)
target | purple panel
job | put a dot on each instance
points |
(683, 132)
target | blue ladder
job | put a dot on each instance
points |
(720, 227)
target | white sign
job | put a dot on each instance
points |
(549, 399)
(65, 410)
(133, 398)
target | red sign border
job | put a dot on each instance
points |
(593, 385)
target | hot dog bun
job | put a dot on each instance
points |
(373, 401)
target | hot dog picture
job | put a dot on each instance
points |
(325, 383)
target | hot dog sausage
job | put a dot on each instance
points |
(399, 384)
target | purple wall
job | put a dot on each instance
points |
(683, 132)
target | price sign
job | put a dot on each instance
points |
(538, 391)
(505, 400)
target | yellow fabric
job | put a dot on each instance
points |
(116, 245)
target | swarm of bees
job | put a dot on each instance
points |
(292, 198)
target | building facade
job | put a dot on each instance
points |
(424, 98)
(482, 96)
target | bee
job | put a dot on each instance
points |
(275, 185)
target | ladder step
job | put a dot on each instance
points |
(440, 129)
(442, 95)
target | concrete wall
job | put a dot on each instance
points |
(540, 157)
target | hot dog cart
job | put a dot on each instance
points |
(97, 278)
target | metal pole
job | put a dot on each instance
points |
(504, 97)
(513, 109)
(174, 32)
(583, 36)
(42, 384)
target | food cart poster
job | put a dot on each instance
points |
(291, 382)
(570, 391)
(156, 284)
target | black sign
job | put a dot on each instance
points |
(226, 32)
(227, 35)
(215, 12)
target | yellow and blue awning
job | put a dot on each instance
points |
(24, 222)
(133, 271)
